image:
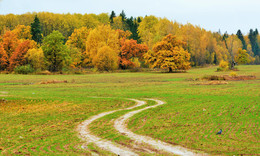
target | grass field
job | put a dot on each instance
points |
(40, 119)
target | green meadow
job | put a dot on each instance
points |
(41, 119)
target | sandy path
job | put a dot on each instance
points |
(121, 126)
(85, 134)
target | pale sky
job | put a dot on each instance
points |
(226, 15)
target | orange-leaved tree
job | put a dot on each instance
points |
(169, 54)
(18, 57)
(129, 51)
(10, 42)
(3, 58)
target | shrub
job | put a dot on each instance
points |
(26, 69)
(233, 74)
(223, 65)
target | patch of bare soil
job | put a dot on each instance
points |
(53, 82)
(212, 83)
(229, 78)
(239, 78)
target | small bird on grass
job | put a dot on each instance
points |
(219, 133)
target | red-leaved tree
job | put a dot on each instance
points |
(18, 57)
(130, 50)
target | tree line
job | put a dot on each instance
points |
(56, 42)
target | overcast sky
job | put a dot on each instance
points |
(226, 15)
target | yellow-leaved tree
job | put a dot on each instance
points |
(169, 54)
(35, 57)
(78, 38)
(23, 32)
(101, 36)
(106, 59)
(243, 57)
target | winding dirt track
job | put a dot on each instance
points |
(85, 134)
(121, 125)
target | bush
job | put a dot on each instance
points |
(233, 74)
(26, 69)
(223, 66)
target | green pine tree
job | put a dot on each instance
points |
(36, 30)
(254, 42)
(113, 14)
(241, 37)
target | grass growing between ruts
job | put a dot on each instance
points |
(41, 119)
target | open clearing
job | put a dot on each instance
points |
(41, 119)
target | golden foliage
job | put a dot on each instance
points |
(101, 36)
(169, 54)
(223, 64)
(23, 32)
(78, 38)
(36, 58)
(106, 59)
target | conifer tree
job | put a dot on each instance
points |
(241, 37)
(123, 15)
(253, 40)
(113, 14)
(36, 30)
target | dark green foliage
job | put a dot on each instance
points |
(225, 36)
(26, 69)
(241, 37)
(131, 24)
(36, 30)
(254, 42)
(55, 52)
(123, 15)
(113, 14)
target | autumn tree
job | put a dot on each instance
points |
(76, 57)
(36, 30)
(169, 54)
(129, 51)
(55, 52)
(78, 38)
(106, 59)
(35, 58)
(18, 57)
(101, 36)
(243, 57)
(147, 30)
(10, 42)
(23, 32)
(3, 58)
(233, 45)
(118, 23)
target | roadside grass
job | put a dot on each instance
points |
(41, 119)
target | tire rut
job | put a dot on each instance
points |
(121, 125)
(86, 135)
